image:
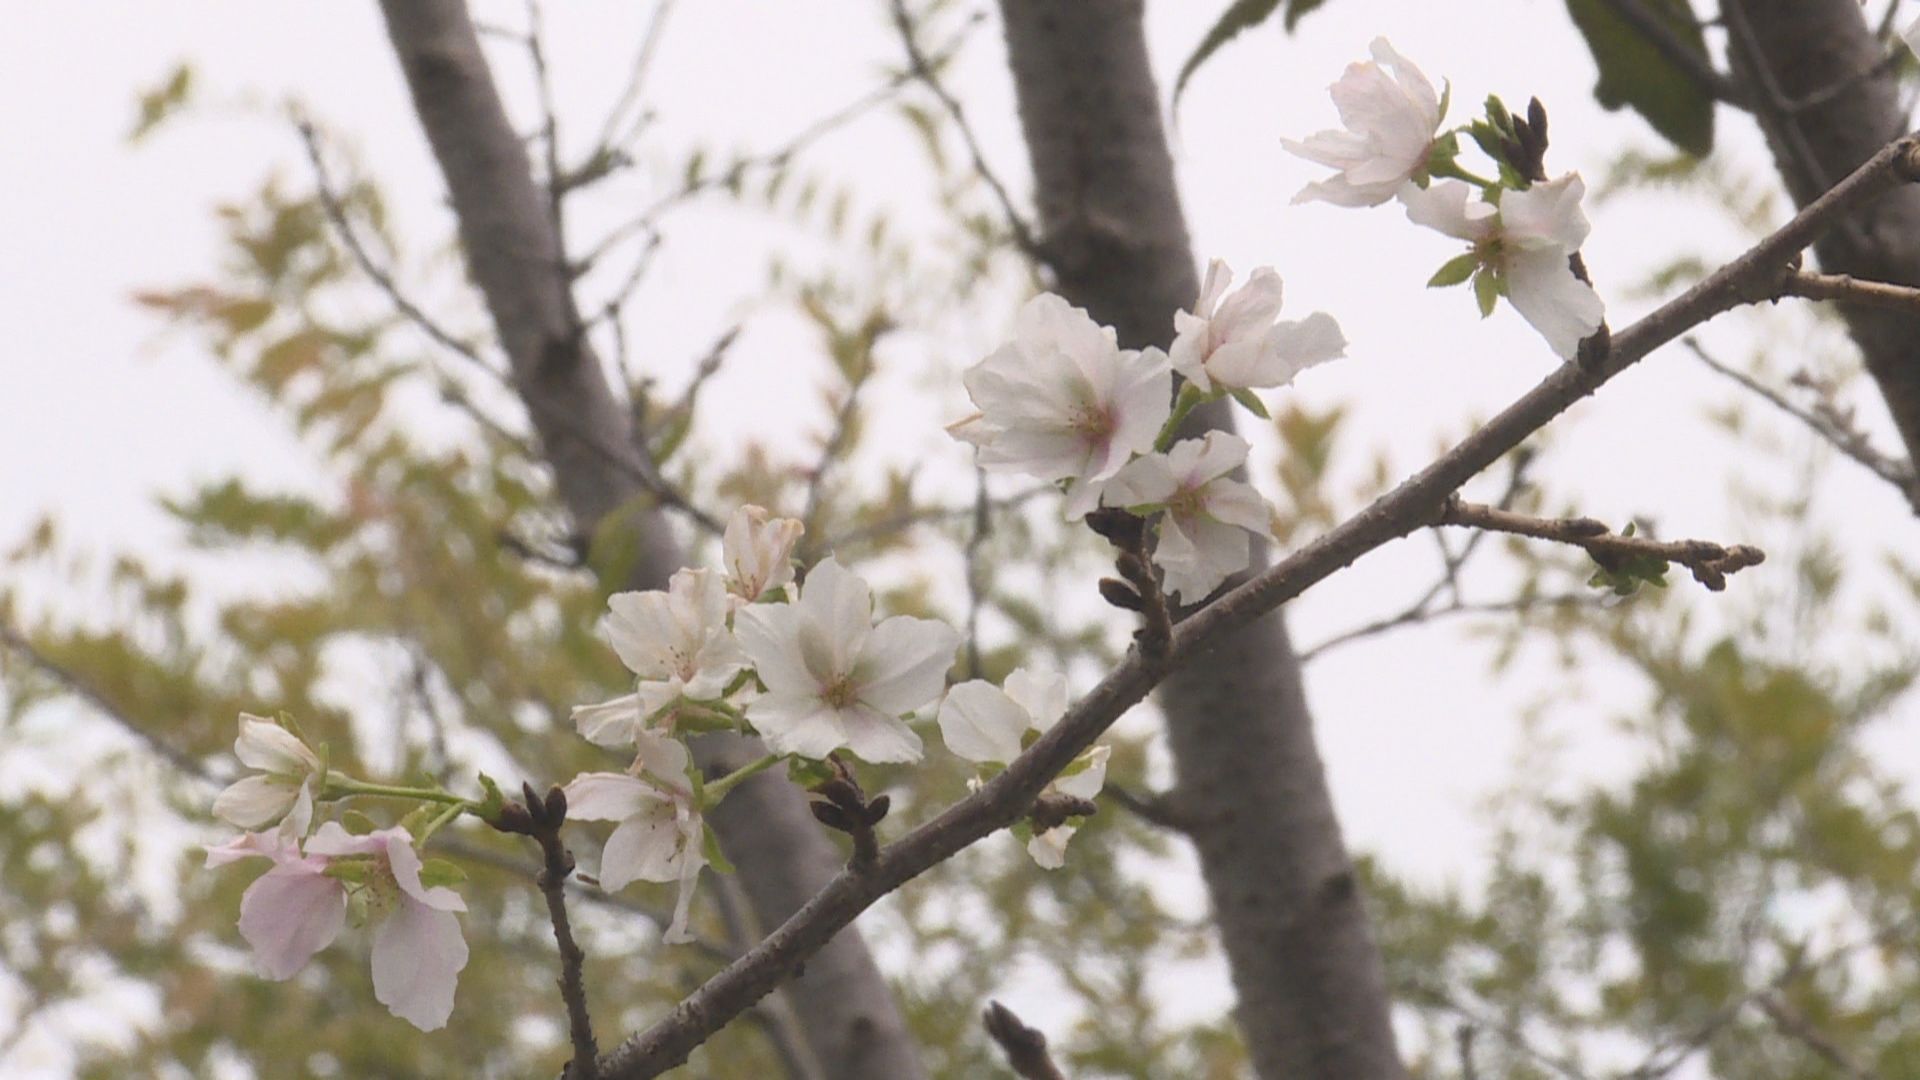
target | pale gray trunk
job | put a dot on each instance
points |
(1312, 994)
(515, 255)
(1812, 72)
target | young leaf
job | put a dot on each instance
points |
(1456, 270)
(1486, 289)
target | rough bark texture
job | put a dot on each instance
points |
(515, 254)
(1812, 71)
(1312, 994)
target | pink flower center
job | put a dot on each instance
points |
(1092, 423)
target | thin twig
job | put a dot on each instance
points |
(927, 72)
(1846, 289)
(1152, 809)
(636, 78)
(1025, 1047)
(1710, 563)
(17, 642)
(976, 587)
(1419, 616)
(541, 819)
(1825, 423)
(1006, 798)
(1795, 1024)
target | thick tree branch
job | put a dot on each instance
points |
(1411, 505)
(1827, 101)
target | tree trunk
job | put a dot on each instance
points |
(517, 257)
(1312, 994)
(1812, 72)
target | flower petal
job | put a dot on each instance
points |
(604, 796)
(417, 956)
(645, 847)
(254, 802)
(905, 662)
(290, 913)
(982, 723)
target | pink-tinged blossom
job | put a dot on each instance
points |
(418, 950)
(836, 680)
(677, 642)
(661, 836)
(297, 908)
(1526, 242)
(1234, 341)
(283, 787)
(1062, 401)
(1391, 114)
(1206, 515)
(758, 550)
(990, 725)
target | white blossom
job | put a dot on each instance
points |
(1391, 114)
(1062, 401)
(1233, 342)
(1206, 513)
(758, 550)
(284, 787)
(836, 680)
(990, 725)
(1526, 241)
(677, 642)
(661, 836)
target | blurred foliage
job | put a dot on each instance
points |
(424, 607)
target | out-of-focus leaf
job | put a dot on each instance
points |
(1637, 75)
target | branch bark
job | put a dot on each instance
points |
(1814, 76)
(1415, 502)
(518, 259)
(1312, 999)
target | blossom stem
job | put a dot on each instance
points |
(713, 792)
(1190, 398)
(339, 786)
(452, 811)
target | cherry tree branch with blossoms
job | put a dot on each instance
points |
(805, 666)
(1754, 277)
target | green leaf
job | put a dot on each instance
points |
(1252, 402)
(1486, 289)
(1242, 15)
(1637, 75)
(441, 872)
(1456, 271)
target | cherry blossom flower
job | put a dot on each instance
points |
(836, 680)
(1232, 342)
(1063, 401)
(990, 726)
(758, 550)
(678, 644)
(1207, 514)
(284, 788)
(297, 908)
(661, 836)
(1526, 242)
(1391, 115)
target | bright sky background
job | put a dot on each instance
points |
(98, 411)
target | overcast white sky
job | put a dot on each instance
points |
(97, 413)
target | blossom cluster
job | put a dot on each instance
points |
(1063, 402)
(1522, 232)
(753, 647)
